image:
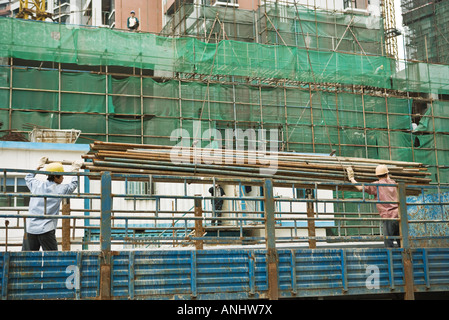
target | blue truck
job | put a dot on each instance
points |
(182, 256)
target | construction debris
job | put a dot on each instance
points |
(14, 136)
(285, 168)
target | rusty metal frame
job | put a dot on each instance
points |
(272, 252)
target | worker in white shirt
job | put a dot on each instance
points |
(40, 232)
(133, 22)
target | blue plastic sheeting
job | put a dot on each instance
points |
(220, 273)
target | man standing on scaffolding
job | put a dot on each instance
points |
(217, 204)
(132, 22)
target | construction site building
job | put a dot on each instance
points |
(427, 26)
(315, 77)
(321, 77)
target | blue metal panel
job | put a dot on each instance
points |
(186, 274)
(428, 208)
(4, 267)
(431, 269)
(39, 274)
(322, 272)
(364, 262)
(420, 270)
(261, 277)
(151, 274)
(44, 275)
(222, 273)
(119, 275)
(89, 274)
(305, 272)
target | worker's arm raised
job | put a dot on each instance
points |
(30, 179)
(42, 162)
(70, 187)
(350, 173)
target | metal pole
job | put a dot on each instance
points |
(270, 237)
(403, 216)
(406, 254)
(198, 223)
(105, 236)
(310, 222)
(106, 208)
(6, 235)
(66, 225)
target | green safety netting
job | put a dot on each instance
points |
(139, 109)
(309, 121)
(422, 77)
(98, 46)
(298, 25)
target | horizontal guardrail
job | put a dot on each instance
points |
(107, 222)
(342, 219)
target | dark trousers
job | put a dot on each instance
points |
(33, 242)
(391, 228)
(218, 207)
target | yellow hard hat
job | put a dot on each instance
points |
(54, 167)
(381, 170)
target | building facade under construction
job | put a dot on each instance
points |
(427, 27)
(321, 77)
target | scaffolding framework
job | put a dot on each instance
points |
(319, 93)
(391, 33)
(287, 24)
(427, 30)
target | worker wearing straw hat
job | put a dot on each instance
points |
(41, 232)
(383, 193)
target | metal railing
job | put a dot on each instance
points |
(95, 217)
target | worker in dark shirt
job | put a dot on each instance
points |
(217, 191)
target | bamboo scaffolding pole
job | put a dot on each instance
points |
(288, 168)
(288, 165)
(130, 147)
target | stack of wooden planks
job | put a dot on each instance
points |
(285, 168)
